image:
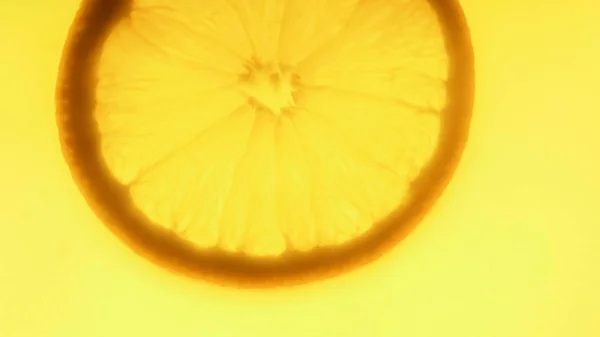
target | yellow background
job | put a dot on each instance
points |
(512, 249)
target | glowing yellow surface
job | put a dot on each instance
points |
(510, 250)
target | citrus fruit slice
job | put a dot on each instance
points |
(264, 141)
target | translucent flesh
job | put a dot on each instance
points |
(203, 161)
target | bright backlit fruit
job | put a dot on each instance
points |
(264, 141)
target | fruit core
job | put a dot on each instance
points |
(269, 86)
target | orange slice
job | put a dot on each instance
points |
(264, 140)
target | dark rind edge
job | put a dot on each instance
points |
(110, 202)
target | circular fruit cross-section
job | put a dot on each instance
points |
(268, 142)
